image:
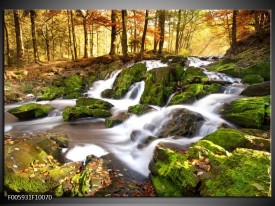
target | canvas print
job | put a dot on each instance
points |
(137, 103)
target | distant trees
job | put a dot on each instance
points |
(48, 35)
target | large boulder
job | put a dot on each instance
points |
(261, 89)
(251, 112)
(30, 111)
(87, 107)
(126, 78)
(34, 165)
(160, 84)
(245, 173)
(181, 122)
(73, 113)
(209, 169)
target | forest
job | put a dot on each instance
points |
(119, 103)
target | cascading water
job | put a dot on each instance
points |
(91, 137)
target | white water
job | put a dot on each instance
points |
(151, 64)
(85, 138)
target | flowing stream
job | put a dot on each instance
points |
(89, 136)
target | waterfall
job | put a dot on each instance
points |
(88, 136)
(101, 85)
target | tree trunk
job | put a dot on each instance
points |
(161, 24)
(70, 38)
(92, 40)
(85, 37)
(234, 30)
(19, 43)
(113, 32)
(7, 45)
(124, 34)
(156, 31)
(47, 43)
(135, 31)
(35, 50)
(144, 32)
(177, 35)
(73, 33)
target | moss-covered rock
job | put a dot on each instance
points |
(253, 79)
(30, 111)
(230, 68)
(69, 88)
(139, 109)
(230, 139)
(73, 113)
(72, 84)
(194, 75)
(207, 149)
(160, 84)
(261, 68)
(32, 166)
(193, 92)
(261, 89)
(172, 175)
(93, 103)
(126, 78)
(245, 173)
(247, 112)
(51, 92)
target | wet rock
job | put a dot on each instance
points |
(182, 122)
(261, 89)
(30, 111)
(116, 119)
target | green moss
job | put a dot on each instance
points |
(173, 169)
(60, 139)
(247, 112)
(30, 111)
(93, 103)
(20, 183)
(126, 78)
(112, 122)
(261, 68)
(253, 79)
(164, 187)
(193, 92)
(73, 95)
(51, 92)
(230, 139)
(194, 75)
(207, 149)
(139, 109)
(72, 84)
(160, 84)
(73, 113)
(246, 173)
